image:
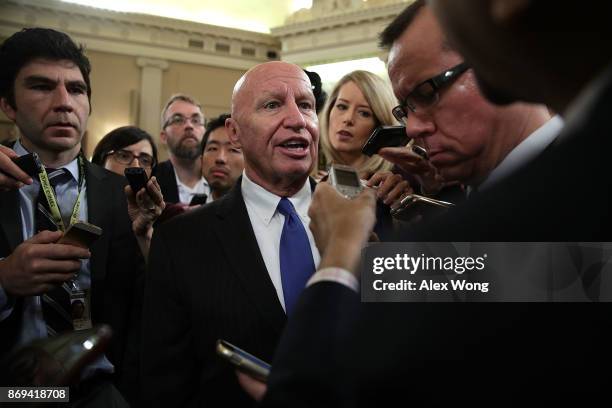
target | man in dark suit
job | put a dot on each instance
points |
(222, 271)
(180, 177)
(477, 354)
(45, 90)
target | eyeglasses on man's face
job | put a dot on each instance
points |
(126, 157)
(180, 120)
(427, 93)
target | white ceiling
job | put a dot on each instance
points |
(252, 15)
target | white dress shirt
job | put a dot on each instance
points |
(186, 193)
(268, 223)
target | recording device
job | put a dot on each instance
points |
(243, 360)
(81, 234)
(420, 151)
(137, 177)
(346, 180)
(385, 136)
(198, 199)
(414, 204)
(29, 163)
(58, 360)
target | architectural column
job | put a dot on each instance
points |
(151, 94)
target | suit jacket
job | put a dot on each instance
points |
(427, 354)
(207, 281)
(164, 172)
(116, 269)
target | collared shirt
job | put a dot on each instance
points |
(33, 326)
(268, 223)
(186, 193)
(524, 152)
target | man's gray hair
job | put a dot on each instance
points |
(174, 98)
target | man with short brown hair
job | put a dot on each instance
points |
(180, 177)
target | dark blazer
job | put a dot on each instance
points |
(164, 172)
(207, 281)
(116, 268)
(353, 354)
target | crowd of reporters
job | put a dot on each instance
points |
(239, 236)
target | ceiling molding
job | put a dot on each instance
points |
(338, 37)
(142, 35)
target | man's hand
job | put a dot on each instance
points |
(11, 176)
(391, 188)
(39, 263)
(431, 181)
(255, 388)
(340, 226)
(145, 207)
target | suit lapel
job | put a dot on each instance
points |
(99, 208)
(10, 218)
(245, 257)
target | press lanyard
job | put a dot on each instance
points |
(52, 201)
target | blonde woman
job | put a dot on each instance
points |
(359, 103)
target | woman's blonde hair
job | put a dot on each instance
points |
(379, 96)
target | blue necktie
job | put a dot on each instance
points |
(296, 263)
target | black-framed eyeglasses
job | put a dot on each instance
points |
(177, 119)
(126, 157)
(427, 93)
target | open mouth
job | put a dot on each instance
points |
(295, 145)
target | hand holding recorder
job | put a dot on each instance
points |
(341, 226)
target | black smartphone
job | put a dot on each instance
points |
(137, 177)
(198, 199)
(242, 360)
(29, 163)
(385, 136)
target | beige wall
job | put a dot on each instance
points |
(113, 78)
(209, 85)
(115, 82)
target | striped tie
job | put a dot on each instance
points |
(56, 302)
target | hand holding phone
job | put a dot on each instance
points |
(243, 360)
(137, 177)
(385, 136)
(81, 234)
(29, 163)
(12, 174)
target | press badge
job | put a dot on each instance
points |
(79, 309)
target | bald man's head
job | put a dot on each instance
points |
(275, 123)
(243, 90)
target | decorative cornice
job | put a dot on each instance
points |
(154, 63)
(337, 37)
(142, 35)
(358, 16)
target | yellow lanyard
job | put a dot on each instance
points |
(52, 201)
